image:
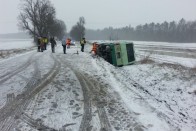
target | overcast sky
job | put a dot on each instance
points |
(105, 13)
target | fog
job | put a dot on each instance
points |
(105, 13)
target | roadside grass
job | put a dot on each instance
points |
(185, 74)
(194, 92)
(1, 54)
(193, 84)
(146, 60)
(193, 70)
(185, 71)
(5, 53)
(173, 66)
(8, 53)
(178, 71)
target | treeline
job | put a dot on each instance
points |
(182, 31)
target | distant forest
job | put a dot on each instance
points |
(182, 31)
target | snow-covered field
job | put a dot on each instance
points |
(7, 44)
(12, 47)
(80, 92)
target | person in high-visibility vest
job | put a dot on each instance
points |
(94, 48)
(42, 47)
(68, 42)
(82, 43)
(45, 41)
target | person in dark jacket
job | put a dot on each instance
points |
(38, 44)
(82, 43)
(64, 45)
(53, 44)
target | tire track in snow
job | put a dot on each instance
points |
(34, 123)
(33, 82)
(48, 78)
(29, 86)
(34, 86)
(105, 124)
(90, 90)
(87, 116)
(12, 73)
(15, 107)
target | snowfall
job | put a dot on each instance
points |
(82, 92)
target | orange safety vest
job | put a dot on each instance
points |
(68, 41)
(94, 48)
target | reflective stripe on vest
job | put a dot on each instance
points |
(94, 47)
(82, 41)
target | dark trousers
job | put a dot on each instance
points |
(53, 49)
(82, 47)
(38, 48)
(42, 47)
(64, 49)
(45, 46)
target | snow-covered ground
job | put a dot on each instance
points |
(80, 92)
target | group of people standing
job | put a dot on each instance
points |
(42, 43)
(67, 42)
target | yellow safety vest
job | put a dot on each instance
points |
(82, 42)
(45, 40)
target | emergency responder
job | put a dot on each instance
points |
(42, 44)
(82, 43)
(94, 48)
(45, 41)
(68, 42)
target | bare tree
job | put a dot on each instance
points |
(78, 30)
(37, 17)
(58, 29)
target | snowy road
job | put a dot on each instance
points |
(76, 92)
(17, 105)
